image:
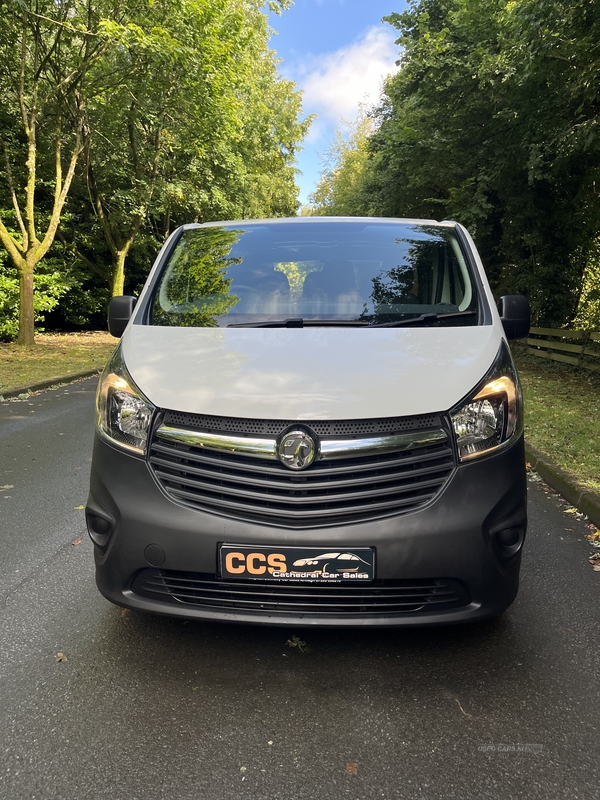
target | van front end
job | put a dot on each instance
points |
(388, 521)
(361, 464)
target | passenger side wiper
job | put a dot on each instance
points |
(301, 323)
(424, 318)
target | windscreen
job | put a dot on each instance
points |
(334, 272)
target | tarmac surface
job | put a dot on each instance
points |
(141, 707)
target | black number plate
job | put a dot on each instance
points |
(356, 564)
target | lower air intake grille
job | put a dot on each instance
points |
(379, 598)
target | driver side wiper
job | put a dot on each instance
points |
(425, 318)
(300, 323)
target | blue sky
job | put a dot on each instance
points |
(338, 52)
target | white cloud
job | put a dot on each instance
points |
(335, 83)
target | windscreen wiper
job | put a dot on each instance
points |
(424, 318)
(298, 322)
(301, 323)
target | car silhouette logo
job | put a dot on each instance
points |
(340, 562)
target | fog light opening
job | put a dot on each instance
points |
(99, 528)
(508, 542)
(509, 537)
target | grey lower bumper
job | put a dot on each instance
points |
(454, 537)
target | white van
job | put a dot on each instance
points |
(312, 420)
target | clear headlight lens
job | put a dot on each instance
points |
(123, 414)
(493, 414)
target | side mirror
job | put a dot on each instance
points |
(515, 314)
(120, 310)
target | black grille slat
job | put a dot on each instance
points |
(298, 495)
(292, 513)
(389, 592)
(379, 597)
(331, 491)
(287, 605)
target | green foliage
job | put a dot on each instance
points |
(157, 112)
(200, 127)
(51, 283)
(338, 192)
(492, 120)
(588, 311)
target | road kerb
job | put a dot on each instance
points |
(49, 383)
(569, 487)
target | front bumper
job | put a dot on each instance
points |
(454, 538)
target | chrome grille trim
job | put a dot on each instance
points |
(329, 449)
(348, 448)
(240, 445)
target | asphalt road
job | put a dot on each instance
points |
(146, 707)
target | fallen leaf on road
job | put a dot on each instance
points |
(78, 508)
(124, 612)
(61, 657)
(76, 542)
(295, 641)
(574, 511)
(565, 630)
(351, 768)
(595, 562)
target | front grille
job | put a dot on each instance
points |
(329, 492)
(322, 427)
(379, 598)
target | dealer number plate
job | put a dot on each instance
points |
(317, 564)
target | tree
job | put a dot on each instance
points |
(338, 192)
(492, 120)
(154, 110)
(47, 50)
(202, 127)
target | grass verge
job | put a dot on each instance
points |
(53, 355)
(562, 418)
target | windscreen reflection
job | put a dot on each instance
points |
(373, 273)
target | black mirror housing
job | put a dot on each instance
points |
(120, 310)
(515, 314)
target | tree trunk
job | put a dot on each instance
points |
(118, 260)
(26, 315)
(118, 273)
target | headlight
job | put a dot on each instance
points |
(494, 412)
(123, 414)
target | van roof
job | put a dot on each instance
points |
(312, 220)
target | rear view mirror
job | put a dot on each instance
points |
(120, 310)
(515, 314)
